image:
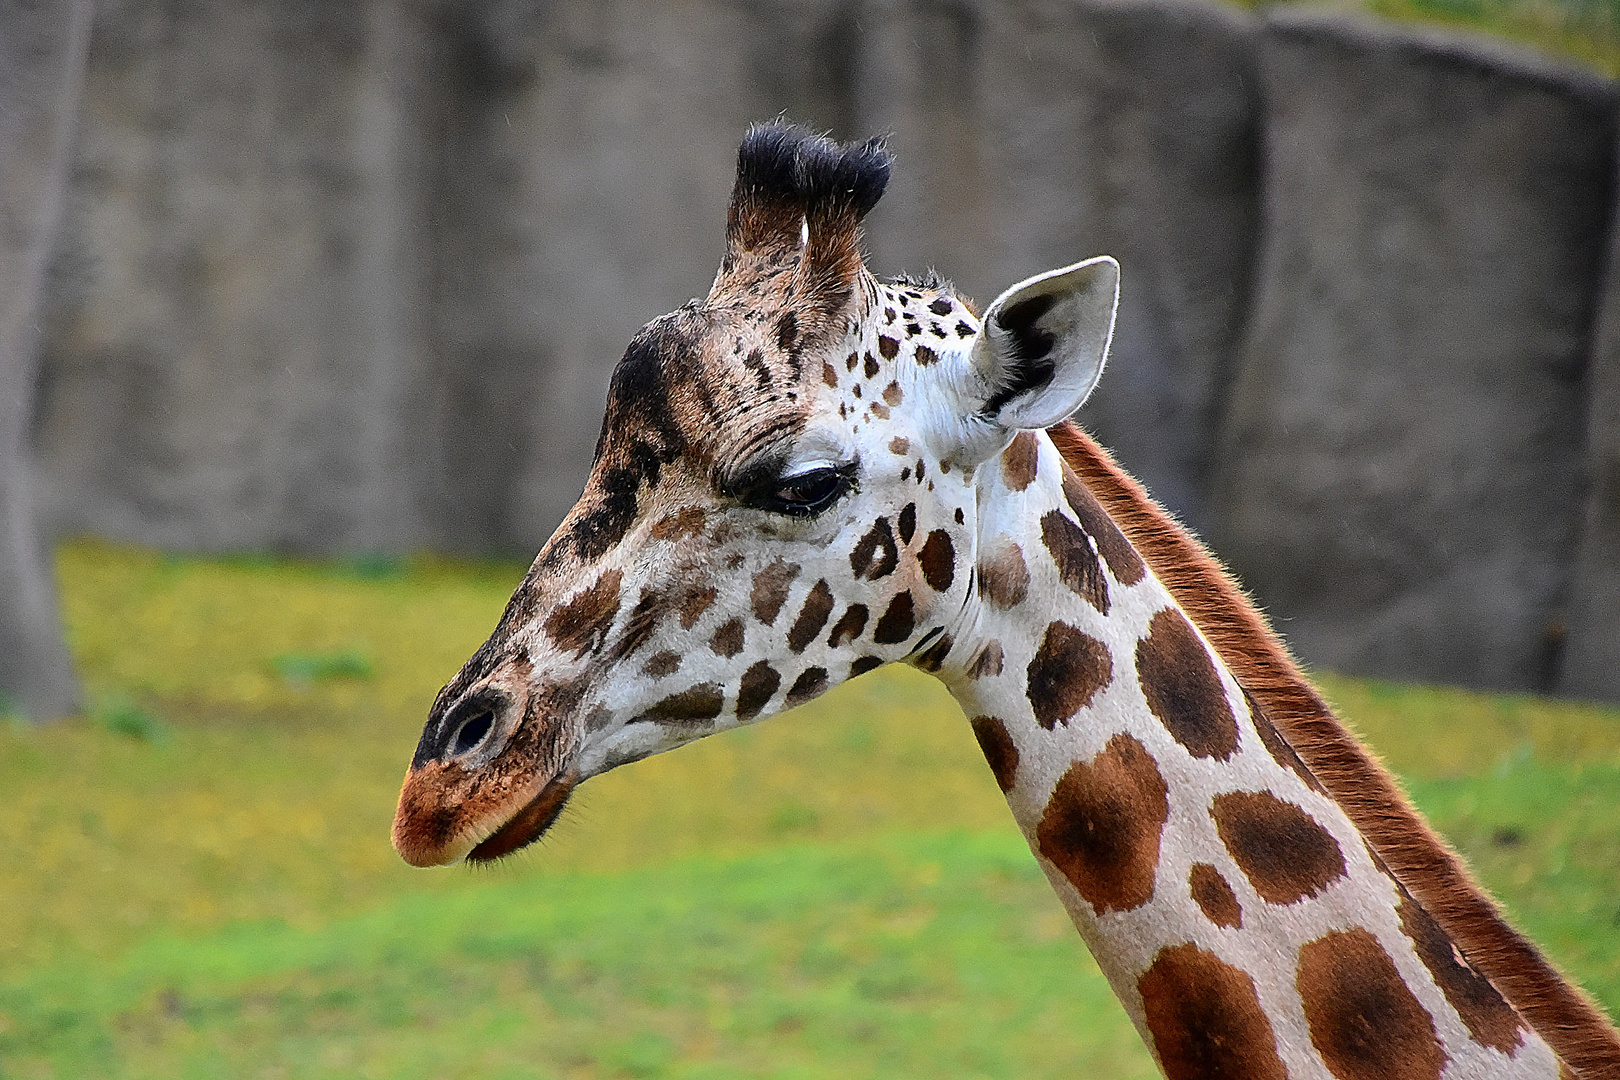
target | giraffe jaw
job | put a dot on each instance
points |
(528, 824)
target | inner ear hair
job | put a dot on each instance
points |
(1027, 347)
(1044, 344)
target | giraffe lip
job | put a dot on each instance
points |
(528, 824)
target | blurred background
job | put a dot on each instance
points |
(307, 312)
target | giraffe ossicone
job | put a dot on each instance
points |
(810, 473)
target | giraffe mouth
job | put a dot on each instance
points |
(529, 823)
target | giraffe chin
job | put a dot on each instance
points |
(528, 824)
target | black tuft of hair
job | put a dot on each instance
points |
(785, 161)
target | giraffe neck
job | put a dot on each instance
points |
(1243, 922)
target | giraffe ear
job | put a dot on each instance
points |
(1044, 343)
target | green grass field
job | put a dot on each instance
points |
(1586, 32)
(200, 882)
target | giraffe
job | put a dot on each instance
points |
(809, 473)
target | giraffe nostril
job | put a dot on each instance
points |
(473, 732)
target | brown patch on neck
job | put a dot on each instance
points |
(1283, 851)
(1364, 1020)
(1205, 1018)
(1490, 1020)
(1103, 823)
(1214, 896)
(1570, 1023)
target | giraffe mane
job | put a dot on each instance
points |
(1421, 862)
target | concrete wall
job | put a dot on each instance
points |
(1402, 460)
(351, 277)
(1591, 660)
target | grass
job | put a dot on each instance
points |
(200, 881)
(1586, 32)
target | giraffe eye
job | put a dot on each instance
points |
(803, 494)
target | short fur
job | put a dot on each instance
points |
(794, 185)
(1570, 1023)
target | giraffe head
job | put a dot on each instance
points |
(782, 498)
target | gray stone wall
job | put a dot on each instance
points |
(1591, 660)
(1401, 465)
(351, 277)
(235, 351)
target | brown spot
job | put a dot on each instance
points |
(963, 330)
(1020, 461)
(879, 411)
(639, 626)
(1182, 688)
(900, 445)
(999, 750)
(888, 346)
(700, 703)
(758, 684)
(812, 617)
(862, 665)
(1206, 1020)
(1077, 564)
(787, 331)
(695, 603)
(662, 663)
(1102, 825)
(925, 355)
(856, 390)
(1277, 746)
(897, 621)
(728, 639)
(1122, 559)
(1003, 577)
(940, 306)
(1490, 1020)
(1214, 896)
(960, 519)
(1282, 850)
(583, 622)
(893, 395)
(812, 682)
(673, 526)
(908, 522)
(875, 555)
(938, 560)
(771, 590)
(849, 364)
(933, 658)
(871, 367)
(849, 626)
(1069, 669)
(829, 374)
(988, 662)
(1364, 1020)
